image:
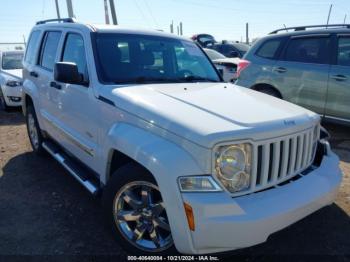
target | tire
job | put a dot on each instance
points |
(270, 91)
(34, 131)
(129, 193)
(3, 104)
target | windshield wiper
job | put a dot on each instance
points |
(197, 78)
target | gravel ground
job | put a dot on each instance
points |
(45, 212)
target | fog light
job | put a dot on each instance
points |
(14, 98)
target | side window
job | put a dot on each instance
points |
(344, 51)
(74, 51)
(308, 50)
(32, 47)
(269, 49)
(49, 50)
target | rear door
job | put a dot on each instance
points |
(338, 97)
(43, 74)
(302, 72)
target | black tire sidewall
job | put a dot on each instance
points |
(39, 150)
(270, 92)
(124, 175)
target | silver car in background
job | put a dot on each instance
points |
(10, 78)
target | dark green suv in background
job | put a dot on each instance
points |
(307, 67)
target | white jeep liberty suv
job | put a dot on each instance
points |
(182, 160)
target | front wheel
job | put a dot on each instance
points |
(134, 208)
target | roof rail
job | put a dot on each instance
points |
(63, 20)
(303, 28)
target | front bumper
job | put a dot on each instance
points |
(224, 223)
(12, 95)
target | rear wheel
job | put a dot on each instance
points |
(34, 131)
(134, 208)
(270, 91)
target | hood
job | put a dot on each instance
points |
(16, 73)
(209, 113)
(234, 61)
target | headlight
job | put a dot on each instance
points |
(232, 165)
(13, 83)
(198, 184)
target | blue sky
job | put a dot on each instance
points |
(225, 19)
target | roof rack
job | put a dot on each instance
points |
(303, 28)
(62, 20)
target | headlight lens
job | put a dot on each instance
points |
(13, 83)
(198, 184)
(233, 164)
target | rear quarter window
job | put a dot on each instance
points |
(32, 47)
(269, 49)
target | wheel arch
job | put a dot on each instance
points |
(164, 160)
(261, 86)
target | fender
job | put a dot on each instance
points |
(166, 161)
(30, 89)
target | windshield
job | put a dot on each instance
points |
(133, 58)
(213, 55)
(12, 61)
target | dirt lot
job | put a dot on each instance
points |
(44, 211)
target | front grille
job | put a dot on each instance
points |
(278, 160)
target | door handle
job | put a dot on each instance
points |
(34, 74)
(55, 85)
(280, 70)
(339, 77)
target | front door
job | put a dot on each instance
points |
(338, 97)
(77, 104)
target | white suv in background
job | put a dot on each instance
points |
(182, 160)
(10, 78)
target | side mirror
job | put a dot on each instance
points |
(234, 54)
(68, 73)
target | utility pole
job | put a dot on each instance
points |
(172, 27)
(106, 12)
(247, 33)
(57, 9)
(114, 15)
(329, 13)
(70, 9)
(24, 40)
(181, 29)
(178, 30)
